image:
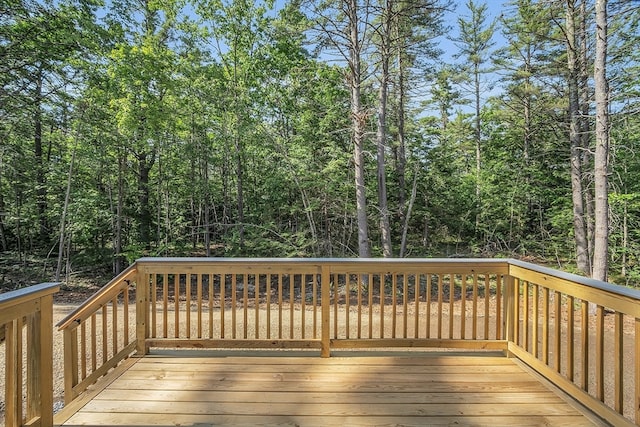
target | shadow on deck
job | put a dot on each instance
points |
(365, 388)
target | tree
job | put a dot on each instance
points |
(343, 27)
(475, 43)
(601, 170)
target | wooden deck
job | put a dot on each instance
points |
(186, 388)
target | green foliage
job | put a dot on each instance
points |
(215, 128)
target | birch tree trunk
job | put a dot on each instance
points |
(381, 136)
(601, 242)
(358, 119)
(575, 140)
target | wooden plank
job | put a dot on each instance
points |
(233, 343)
(328, 398)
(194, 369)
(100, 419)
(320, 409)
(102, 370)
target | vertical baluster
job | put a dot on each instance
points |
(176, 304)
(515, 300)
(280, 305)
(405, 306)
(452, 292)
(370, 291)
(416, 317)
(474, 318)
(347, 298)
(256, 297)
(487, 303)
(618, 356)
(315, 305)
(292, 280)
(114, 325)
(570, 338)
(303, 297)
(125, 314)
(165, 305)
(94, 344)
(83, 350)
(557, 308)
(187, 304)
(105, 341)
(211, 295)
(154, 306)
(383, 298)
(600, 353)
(584, 337)
(427, 292)
(234, 323)
(545, 325)
(245, 304)
(500, 280)
(440, 303)
(199, 303)
(525, 323)
(336, 300)
(268, 304)
(223, 303)
(535, 319)
(394, 302)
(359, 296)
(463, 306)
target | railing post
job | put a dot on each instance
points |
(70, 364)
(326, 306)
(142, 307)
(40, 365)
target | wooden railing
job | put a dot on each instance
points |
(582, 334)
(99, 334)
(532, 313)
(31, 307)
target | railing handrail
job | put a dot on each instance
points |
(619, 298)
(11, 298)
(99, 298)
(587, 281)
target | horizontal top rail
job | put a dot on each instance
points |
(102, 296)
(23, 300)
(12, 298)
(338, 265)
(615, 297)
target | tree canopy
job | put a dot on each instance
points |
(321, 128)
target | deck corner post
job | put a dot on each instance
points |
(142, 312)
(326, 312)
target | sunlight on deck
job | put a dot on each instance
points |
(171, 388)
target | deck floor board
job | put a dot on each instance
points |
(264, 389)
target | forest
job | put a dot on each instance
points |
(321, 128)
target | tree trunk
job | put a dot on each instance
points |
(381, 136)
(41, 184)
(63, 217)
(144, 193)
(585, 128)
(601, 242)
(358, 118)
(579, 225)
(118, 259)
